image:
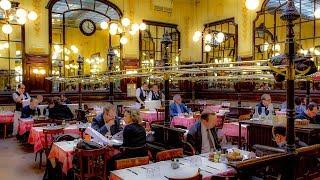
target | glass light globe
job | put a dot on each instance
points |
(5, 4)
(277, 47)
(197, 34)
(195, 38)
(113, 32)
(123, 40)
(21, 13)
(7, 29)
(207, 48)
(42, 71)
(265, 46)
(317, 52)
(135, 27)
(208, 38)
(113, 27)
(252, 4)
(317, 13)
(143, 26)
(220, 37)
(131, 32)
(22, 20)
(104, 25)
(125, 22)
(35, 71)
(32, 16)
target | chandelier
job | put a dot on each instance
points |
(124, 27)
(13, 14)
(210, 38)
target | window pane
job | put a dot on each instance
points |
(15, 49)
(4, 74)
(16, 33)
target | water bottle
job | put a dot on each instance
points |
(256, 114)
(47, 114)
(36, 114)
(263, 115)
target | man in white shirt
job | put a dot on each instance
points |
(203, 134)
(141, 95)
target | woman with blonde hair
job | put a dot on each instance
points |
(134, 138)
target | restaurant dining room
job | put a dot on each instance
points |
(159, 89)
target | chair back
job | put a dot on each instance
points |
(49, 135)
(216, 177)
(131, 162)
(159, 111)
(92, 163)
(308, 164)
(198, 176)
(169, 154)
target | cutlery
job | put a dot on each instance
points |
(213, 168)
(132, 171)
(166, 177)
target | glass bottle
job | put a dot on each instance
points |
(263, 115)
(256, 114)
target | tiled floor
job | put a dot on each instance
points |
(17, 162)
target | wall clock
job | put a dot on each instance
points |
(87, 27)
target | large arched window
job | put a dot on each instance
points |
(270, 31)
(74, 29)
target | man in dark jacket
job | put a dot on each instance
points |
(58, 110)
(30, 110)
(310, 113)
(107, 123)
(203, 134)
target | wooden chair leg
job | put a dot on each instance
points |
(35, 159)
(40, 163)
(5, 130)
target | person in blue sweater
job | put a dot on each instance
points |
(107, 123)
(178, 107)
(30, 110)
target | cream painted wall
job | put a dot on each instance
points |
(186, 14)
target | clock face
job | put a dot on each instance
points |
(87, 27)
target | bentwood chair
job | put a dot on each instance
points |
(49, 135)
(169, 154)
(216, 177)
(131, 162)
(198, 176)
(92, 164)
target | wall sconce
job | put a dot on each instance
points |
(39, 71)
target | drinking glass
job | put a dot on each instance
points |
(150, 173)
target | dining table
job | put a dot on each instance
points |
(151, 115)
(25, 125)
(187, 121)
(36, 136)
(63, 151)
(188, 167)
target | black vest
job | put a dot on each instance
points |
(142, 96)
(155, 96)
(19, 105)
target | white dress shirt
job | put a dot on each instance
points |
(205, 147)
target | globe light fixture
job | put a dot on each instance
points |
(135, 27)
(5, 4)
(21, 13)
(22, 20)
(252, 4)
(123, 40)
(220, 37)
(104, 25)
(7, 29)
(195, 38)
(208, 37)
(207, 48)
(113, 32)
(32, 15)
(143, 26)
(125, 22)
(113, 27)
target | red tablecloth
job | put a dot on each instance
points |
(25, 125)
(64, 151)
(151, 116)
(36, 136)
(6, 118)
(232, 129)
(213, 108)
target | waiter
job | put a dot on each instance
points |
(19, 97)
(155, 94)
(141, 95)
